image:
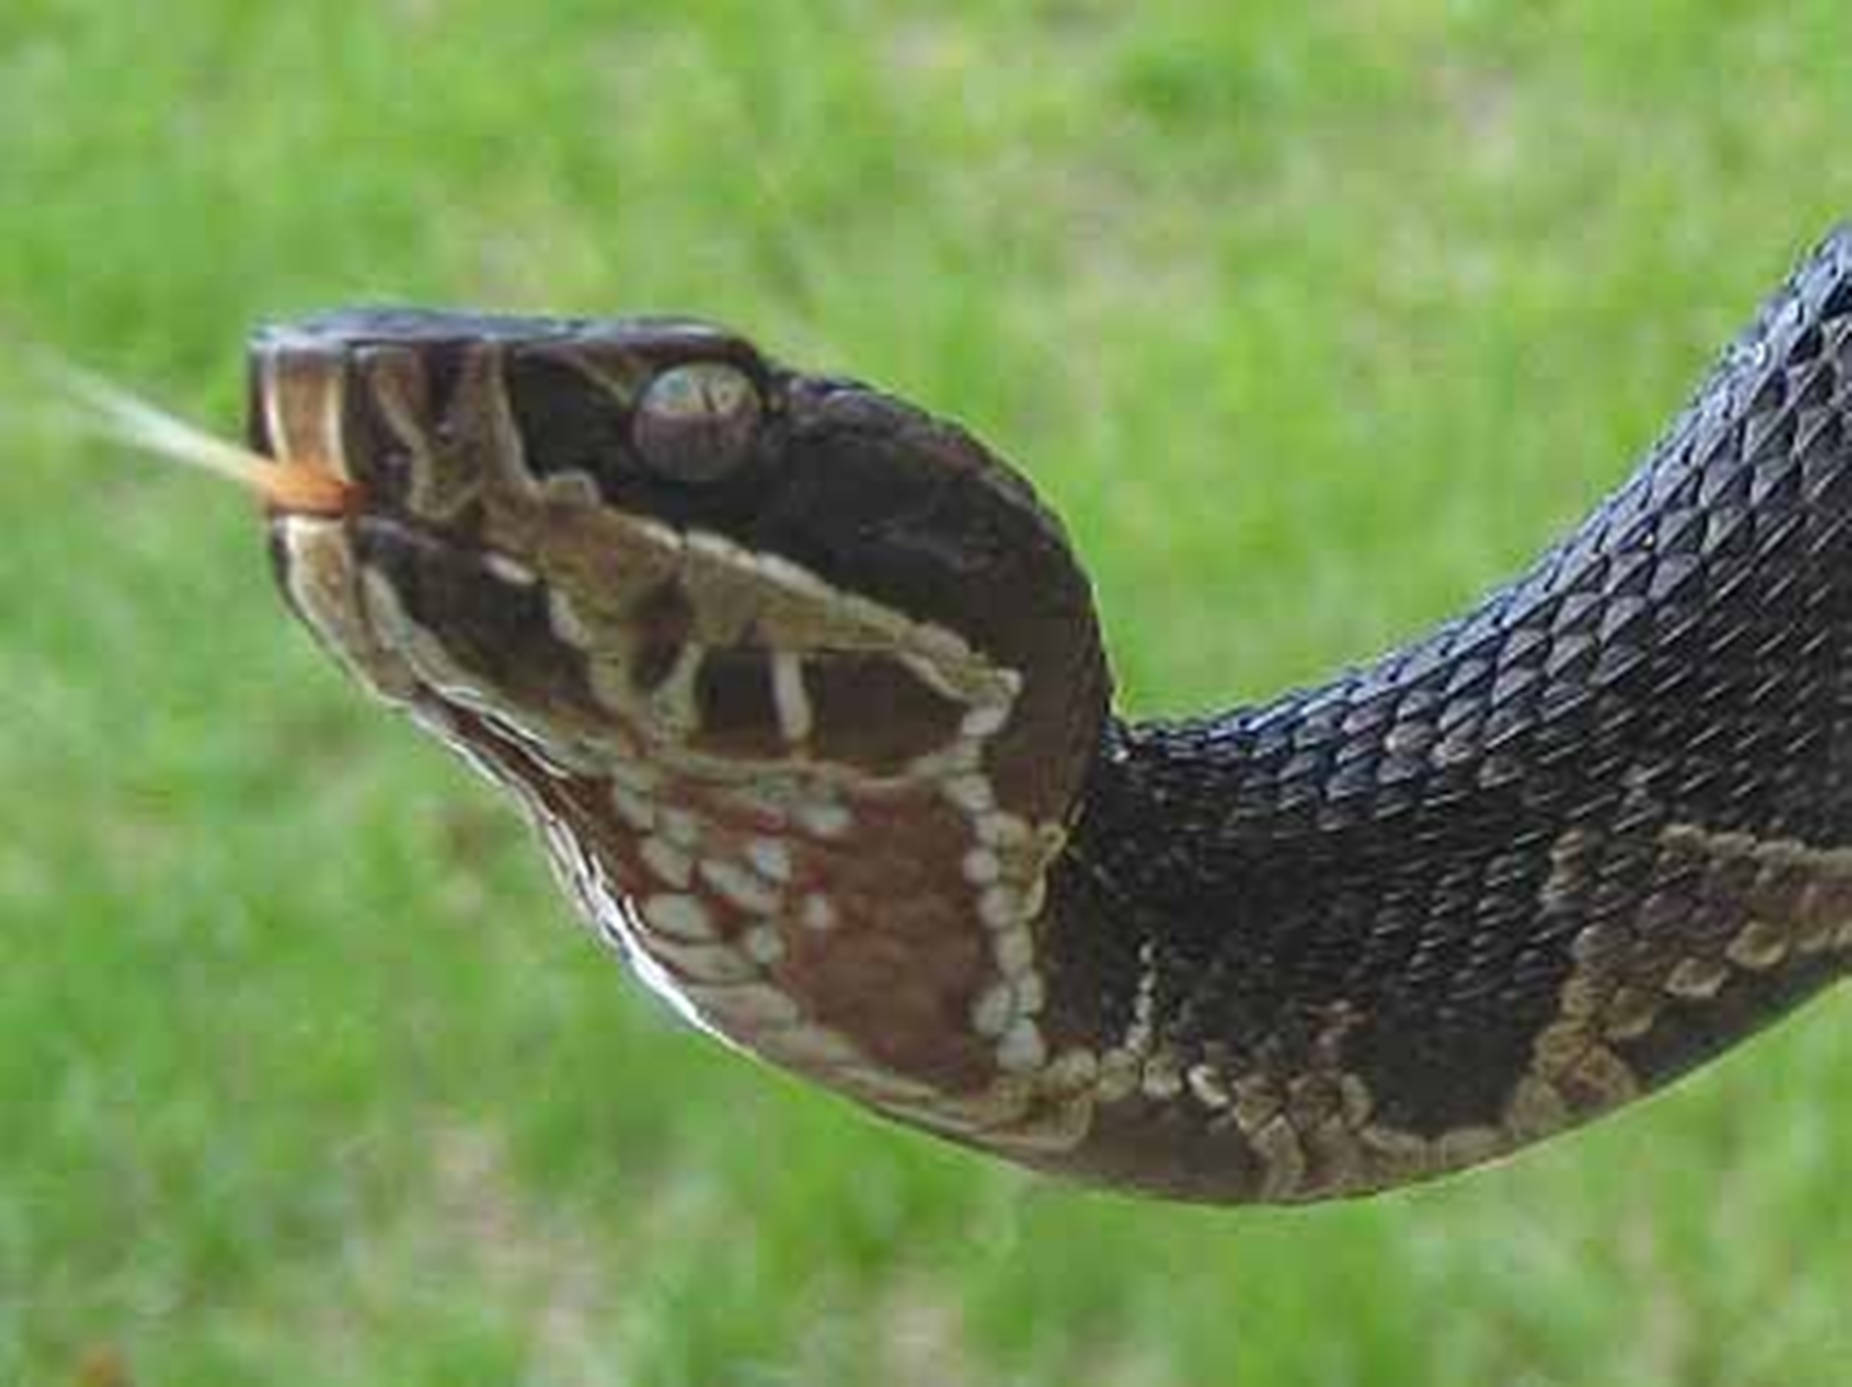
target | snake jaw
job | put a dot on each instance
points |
(843, 905)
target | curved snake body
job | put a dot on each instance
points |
(804, 691)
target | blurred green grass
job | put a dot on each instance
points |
(1313, 320)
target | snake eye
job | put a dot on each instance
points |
(696, 422)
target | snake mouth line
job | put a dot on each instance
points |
(771, 685)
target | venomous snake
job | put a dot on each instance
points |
(803, 689)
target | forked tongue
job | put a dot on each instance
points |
(297, 486)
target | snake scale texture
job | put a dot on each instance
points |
(804, 692)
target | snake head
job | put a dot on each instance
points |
(800, 684)
(620, 535)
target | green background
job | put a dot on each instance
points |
(1313, 319)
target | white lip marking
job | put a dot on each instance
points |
(1015, 951)
(970, 793)
(667, 861)
(1021, 1048)
(770, 858)
(994, 1010)
(818, 914)
(273, 410)
(632, 808)
(715, 964)
(811, 1045)
(319, 575)
(333, 443)
(750, 1004)
(566, 622)
(620, 922)
(764, 944)
(1029, 994)
(509, 570)
(674, 699)
(325, 448)
(681, 828)
(999, 907)
(985, 720)
(790, 697)
(573, 487)
(749, 892)
(1004, 830)
(981, 866)
(826, 819)
(927, 671)
(792, 578)
(635, 775)
(682, 917)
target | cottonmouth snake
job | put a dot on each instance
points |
(803, 690)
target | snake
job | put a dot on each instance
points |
(804, 691)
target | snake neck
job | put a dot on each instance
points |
(1321, 960)
(1543, 859)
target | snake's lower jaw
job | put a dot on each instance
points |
(847, 897)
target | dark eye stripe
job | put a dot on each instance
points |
(569, 420)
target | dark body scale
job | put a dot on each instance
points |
(1373, 876)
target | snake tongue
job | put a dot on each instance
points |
(298, 486)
